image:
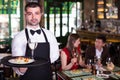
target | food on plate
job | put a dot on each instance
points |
(21, 60)
(90, 78)
(76, 71)
(87, 70)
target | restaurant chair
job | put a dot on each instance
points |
(5, 49)
(55, 67)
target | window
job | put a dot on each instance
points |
(10, 18)
(71, 17)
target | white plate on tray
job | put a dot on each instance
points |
(21, 60)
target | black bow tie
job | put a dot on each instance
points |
(33, 32)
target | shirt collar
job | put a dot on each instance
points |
(100, 50)
(29, 28)
(98, 53)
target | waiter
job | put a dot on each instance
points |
(47, 47)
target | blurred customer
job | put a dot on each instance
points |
(98, 51)
(71, 56)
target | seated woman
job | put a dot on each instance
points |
(71, 57)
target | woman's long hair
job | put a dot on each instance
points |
(70, 43)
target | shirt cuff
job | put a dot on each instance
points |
(17, 71)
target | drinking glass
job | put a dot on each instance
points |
(32, 46)
(108, 60)
(89, 63)
(75, 55)
(95, 59)
(110, 65)
(97, 62)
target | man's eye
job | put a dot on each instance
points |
(28, 13)
(37, 13)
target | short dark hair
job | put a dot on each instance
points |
(102, 37)
(33, 5)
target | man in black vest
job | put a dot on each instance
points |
(47, 47)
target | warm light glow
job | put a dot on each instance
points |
(100, 9)
(108, 5)
(100, 2)
(92, 10)
(100, 16)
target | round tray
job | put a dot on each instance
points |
(39, 62)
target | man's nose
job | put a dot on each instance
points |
(33, 16)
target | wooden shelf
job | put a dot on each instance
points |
(106, 9)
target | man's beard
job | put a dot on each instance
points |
(33, 23)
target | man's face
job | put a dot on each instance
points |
(33, 16)
(99, 43)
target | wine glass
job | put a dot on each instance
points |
(95, 59)
(110, 65)
(97, 62)
(89, 63)
(32, 46)
(108, 60)
(75, 55)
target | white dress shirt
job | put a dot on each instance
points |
(19, 43)
(98, 53)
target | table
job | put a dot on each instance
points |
(65, 76)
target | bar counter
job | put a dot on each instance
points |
(89, 35)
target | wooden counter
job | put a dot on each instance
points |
(90, 36)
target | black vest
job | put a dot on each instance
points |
(42, 72)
